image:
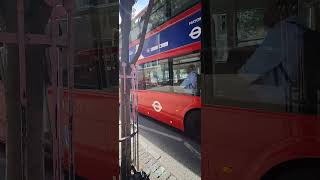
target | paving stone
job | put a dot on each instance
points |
(147, 171)
(151, 162)
(172, 178)
(158, 173)
(145, 159)
(141, 148)
(155, 155)
(165, 175)
(144, 162)
(148, 159)
(154, 167)
(141, 151)
(142, 156)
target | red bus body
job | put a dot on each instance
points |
(247, 135)
(174, 107)
(95, 131)
(96, 134)
(245, 144)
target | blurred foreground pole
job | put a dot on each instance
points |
(125, 13)
(12, 93)
(37, 14)
(25, 89)
(125, 85)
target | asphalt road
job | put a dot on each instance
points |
(173, 143)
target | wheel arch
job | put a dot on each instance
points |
(186, 114)
(291, 164)
(289, 153)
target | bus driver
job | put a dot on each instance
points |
(190, 83)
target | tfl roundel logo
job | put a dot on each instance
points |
(195, 32)
(157, 106)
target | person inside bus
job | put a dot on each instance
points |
(190, 83)
(275, 62)
(155, 79)
(282, 43)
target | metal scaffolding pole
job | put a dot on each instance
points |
(21, 44)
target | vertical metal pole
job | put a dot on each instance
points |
(56, 117)
(70, 59)
(60, 95)
(125, 12)
(23, 95)
(137, 117)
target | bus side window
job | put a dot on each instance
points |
(156, 75)
(141, 78)
(186, 74)
(178, 6)
(109, 70)
(86, 73)
(272, 58)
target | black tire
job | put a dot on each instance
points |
(298, 174)
(66, 176)
(192, 124)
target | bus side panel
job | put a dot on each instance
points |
(2, 114)
(173, 106)
(235, 142)
(96, 134)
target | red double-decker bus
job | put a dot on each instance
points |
(95, 94)
(260, 96)
(169, 65)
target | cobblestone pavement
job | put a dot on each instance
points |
(166, 153)
(150, 164)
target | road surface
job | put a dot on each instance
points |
(179, 154)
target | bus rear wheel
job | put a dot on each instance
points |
(299, 174)
(192, 124)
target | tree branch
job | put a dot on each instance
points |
(144, 32)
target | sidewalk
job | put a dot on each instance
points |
(160, 165)
(150, 163)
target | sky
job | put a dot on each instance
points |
(140, 4)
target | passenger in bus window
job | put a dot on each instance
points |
(155, 78)
(190, 83)
(274, 70)
(278, 55)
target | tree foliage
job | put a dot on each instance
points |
(250, 22)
